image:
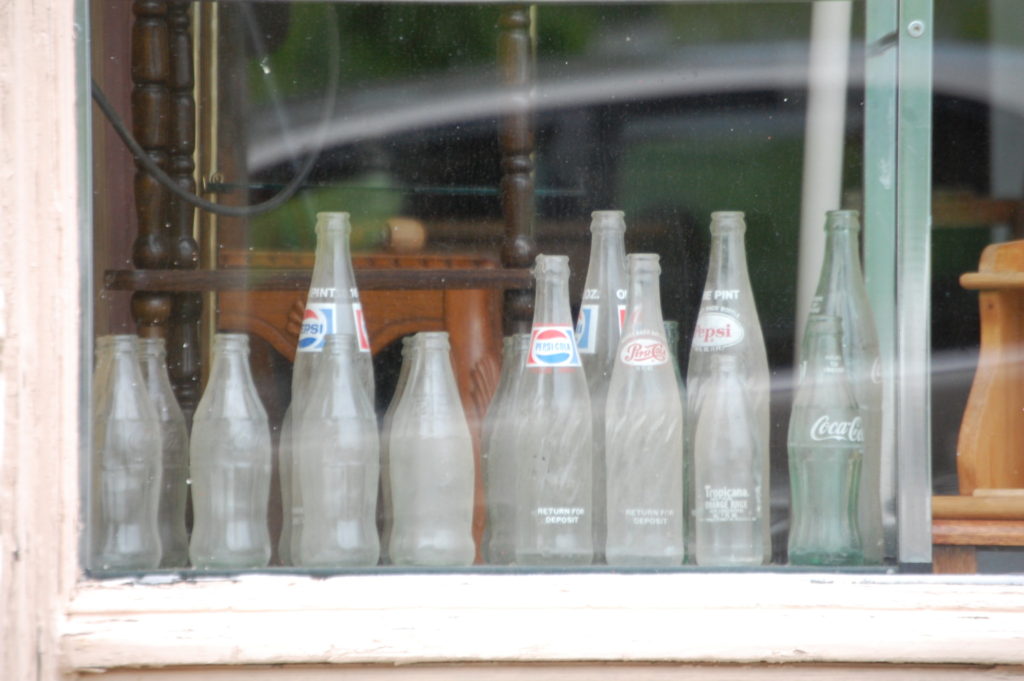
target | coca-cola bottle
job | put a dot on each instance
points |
(554, 435)
(499, 454)
(336, 455)
(332, 307)
(126, 462)
(841, 293)
(229, 462)
(826, 443)
(598, 328)
(727, 323)
(385, 509)
(728, 461)
(431, 464)
(174, 458)
(644, 433)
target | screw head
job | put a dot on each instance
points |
(915, 28)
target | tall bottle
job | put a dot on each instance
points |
(644, 433)
(554, 435)
(337, 456)
(728, 461)
(126, 462)
(332, 306)
(727, 323)
(174, 457)
(229, 461)
(598, 328)
(431, 464)
(499, 454)
(826, 443)
(385, 509)
(841, 293)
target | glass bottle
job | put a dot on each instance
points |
(727, 472)
(385, 509)
(598, 328)
(332, 306)
(826, 443)
(126, 462)
(672, 335)
(174, 458)
(841, 293)
(431, 464)
(727, 323)
(554, 434)
(499, 454)
(337, 457)
(644, 433)
(229, 461)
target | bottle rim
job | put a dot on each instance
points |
(734, 220)
(128, 340)
(151, 346)
(333, 221)
(846, 219)
(433, 340)
(546, 264)
(231, 339)
(607, 221)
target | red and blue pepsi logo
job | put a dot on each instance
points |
(552, 346)
(317, 322)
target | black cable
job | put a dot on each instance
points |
(286, 193)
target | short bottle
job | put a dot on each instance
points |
(498, 455)
(826, 444)
(431, 465)
(728, 460)
(554, 435)
(598, 329)
(126, 462)
(174, 458)
(337, 456)
(229, 462)
(385, 508)
(644, 434)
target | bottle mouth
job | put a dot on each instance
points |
(842, 220)
(231, 340)
(732, 220)
(125, 341)
(151, 346)
(433, 340)
(607, 220)
(551, 265)
(333, 221)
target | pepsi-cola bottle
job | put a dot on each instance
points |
(431, 464)
(126, 462)
(598, 328)
(229, 461)
(332, 307)
(826, 444)
(174, 457)
(554, 435)
(499, 453)
(385, 509)
(727, 323)
(728, 460)
(336, 452)
(841, 293)
(644, 433)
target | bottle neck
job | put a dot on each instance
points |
(551, 306)
(332, 278)
(607, 269)
(230, 359)
(431, 371)
(644, 316)
(841, 263)
(727, 266)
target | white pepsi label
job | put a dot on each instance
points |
(716, 330)
(360, 323)
(552, 346)
(318, 320)
(586, 329)
(644, 351)
(825, 429)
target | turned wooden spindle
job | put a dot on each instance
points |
(515, 58)
(150, 125)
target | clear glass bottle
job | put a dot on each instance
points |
(431, 464)
(385, 509)
(229, 461)
(727, 322)
(554, 434)
(499, 454)
(126, 462)
(826, 443)
(174, 458)
(332, 307)
(598, 328)
(337, 452)
(644, 433)
(842, 293)
(672, 335)
(727, 472)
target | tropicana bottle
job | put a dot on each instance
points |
(554, 435)
(332, 306)
(598, 328)
(229, 461)
(644, 434)
(727, 323)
